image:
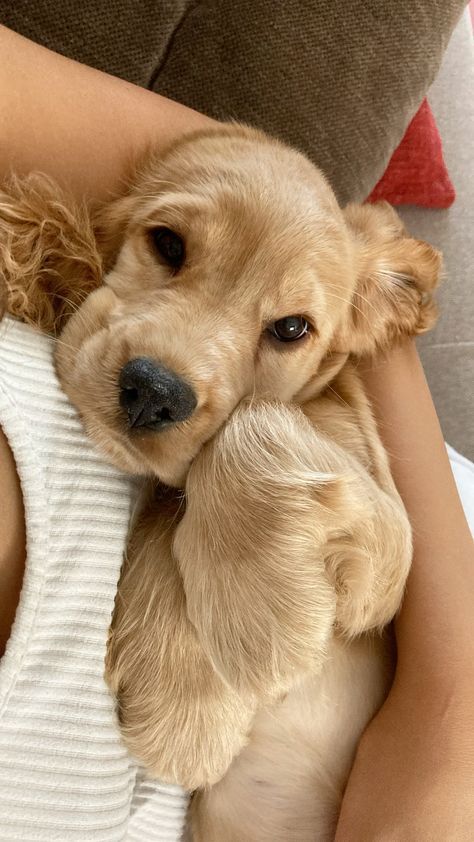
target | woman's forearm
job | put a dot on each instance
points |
(435, 628)
(77, 124)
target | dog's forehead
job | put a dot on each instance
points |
(251, 165)
(256, 210)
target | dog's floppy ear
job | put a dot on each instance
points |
(49, 260)
(3, 296)
(396, 276)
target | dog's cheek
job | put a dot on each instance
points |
(282, 373)
(92, 317)
(89, 378)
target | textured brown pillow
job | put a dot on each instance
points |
(339, 80)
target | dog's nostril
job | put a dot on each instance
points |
(129, 396)
(153, 396)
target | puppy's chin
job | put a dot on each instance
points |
(133, 455)
(169, 466)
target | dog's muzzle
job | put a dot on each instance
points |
(153, 396)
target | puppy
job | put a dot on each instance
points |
(217, 358)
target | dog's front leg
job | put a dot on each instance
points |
(251, 545)
(176, 715)
(284, 535)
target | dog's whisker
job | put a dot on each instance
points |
(348, 301)
(338, 396)
(67, 345)
(352, 304)
(360, 296)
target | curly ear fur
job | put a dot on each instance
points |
(48, 251)
(396, 277)
(3, 297)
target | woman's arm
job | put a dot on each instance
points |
(438, 610)
(77, 124)
(413, 778)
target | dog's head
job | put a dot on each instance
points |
(232, 272)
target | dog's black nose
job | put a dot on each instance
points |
(153, 396)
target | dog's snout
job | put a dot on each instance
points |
(153, 396)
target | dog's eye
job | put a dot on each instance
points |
(289, 328)
(169, 246)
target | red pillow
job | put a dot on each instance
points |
(417, 174)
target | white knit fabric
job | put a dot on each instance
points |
(64, 774)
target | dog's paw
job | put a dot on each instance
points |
(369, 566)
(186, 738)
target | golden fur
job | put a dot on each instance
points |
(48, 252)
(271, 544)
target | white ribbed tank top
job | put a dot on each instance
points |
(64, 774)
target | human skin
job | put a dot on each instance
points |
(413, 776)
(75, 123)
(12, 540)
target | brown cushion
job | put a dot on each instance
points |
(339, 80)
(127, 38)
